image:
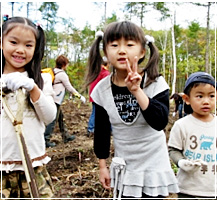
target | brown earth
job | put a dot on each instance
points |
(73, 166)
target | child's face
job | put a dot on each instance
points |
(18, 48)
(202, 100)
(119, 50)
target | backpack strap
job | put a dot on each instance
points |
(55, 75)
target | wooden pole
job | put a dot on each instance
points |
(18, 125)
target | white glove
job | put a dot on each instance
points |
(174, 114)
(190, 166)
(70, 96)
(200, 161)
(83, 99)
(17, 80)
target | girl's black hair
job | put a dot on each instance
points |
(33, 68)
(116, 31)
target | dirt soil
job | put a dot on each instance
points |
(73, 166)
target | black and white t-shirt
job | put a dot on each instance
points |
(125, 102)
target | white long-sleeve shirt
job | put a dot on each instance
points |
(61, 84)
(34, 121)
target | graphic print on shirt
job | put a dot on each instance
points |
(202, 148)
(127, 106)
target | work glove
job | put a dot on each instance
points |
(16, 80)
(190, 166)
(82, 98)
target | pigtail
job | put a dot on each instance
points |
(34, 67)
(35, 71)
(94, 61)
(152, 65)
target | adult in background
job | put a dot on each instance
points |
(60, 85)
(178, 103)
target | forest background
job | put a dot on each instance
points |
(183, 50)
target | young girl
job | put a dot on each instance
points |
(23, 48)
(135, 103)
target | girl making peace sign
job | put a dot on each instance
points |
(135, 103)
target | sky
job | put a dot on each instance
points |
(84, 12)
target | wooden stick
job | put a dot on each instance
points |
(18, 125)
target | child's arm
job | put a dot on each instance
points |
(35, 93)
(102, 134)
(42, 101)
(175, 155)
(176, 145)
(156, 114)
(44, 105)
(183, 163)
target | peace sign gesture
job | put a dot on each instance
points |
(133, 78)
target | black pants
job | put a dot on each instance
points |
(50, 127)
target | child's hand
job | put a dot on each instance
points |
(17, 80)
(189, 166)
(104, 177)
(133, 79)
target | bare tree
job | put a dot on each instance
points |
(12, 8)
(105, 9)
(207, 38)
(174, 53)
(163, 43)
(208, 5)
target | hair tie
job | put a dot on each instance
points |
(149, 39)
(99, 34)
(5, 18)
(104, 59)
(36, 23)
